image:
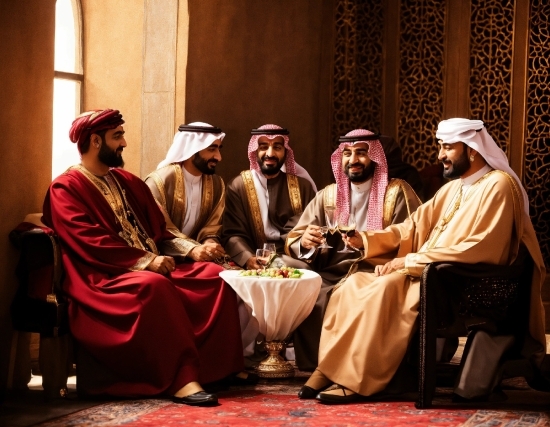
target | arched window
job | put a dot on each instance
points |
(68, 80)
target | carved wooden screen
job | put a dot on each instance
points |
(358, 80)
(491, 36)
(537, 142)
(421, 47)
(357, 94)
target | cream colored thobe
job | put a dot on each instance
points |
(370, 320)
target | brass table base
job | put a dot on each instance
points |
(275, 366)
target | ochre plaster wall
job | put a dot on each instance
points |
(26, 93)
(113, 52)
(255, 62)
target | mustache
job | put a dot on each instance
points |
(354, 165)
(264, 158)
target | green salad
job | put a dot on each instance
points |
(275, 273)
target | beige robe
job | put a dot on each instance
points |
(400, 201)
(168, 187)
(370, 320)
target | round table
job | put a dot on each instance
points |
(279, 306)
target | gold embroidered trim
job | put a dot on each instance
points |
(207, 200)
(456, 203)
(182, 246)
(160, 187)
(143, 262)
(179, 206)
(134, 234)
(390, 198)
(254, 207)
(294, 193)
(329, 196)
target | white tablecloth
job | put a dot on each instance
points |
(279, 305)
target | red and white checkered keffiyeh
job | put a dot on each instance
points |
(379, 181)
(290, 163)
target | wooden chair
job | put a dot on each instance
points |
(38, 305)
(465, 299)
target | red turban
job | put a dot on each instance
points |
(92, 122)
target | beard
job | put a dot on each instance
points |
(458, 167)
(110, 157)
(271, 169)
(360, 176)
(204, 165)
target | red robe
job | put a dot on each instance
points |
(153, 333)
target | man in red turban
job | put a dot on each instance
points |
(146, 324)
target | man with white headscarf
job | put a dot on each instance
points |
(480, 218)
(362, 186)
(189, 193)
(265, 202)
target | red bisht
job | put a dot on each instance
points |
(148, 333)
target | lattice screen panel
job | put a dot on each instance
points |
(421, 47)
(491, 37)
(357, 84)
(537, 148)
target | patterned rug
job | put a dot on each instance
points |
(275, 403)
(269, 404)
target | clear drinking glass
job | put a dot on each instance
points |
(330, 220)
(324, 231)
(262, 257)
(345, 227)
(270, 247)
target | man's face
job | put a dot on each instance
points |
(207, 159)
(112, 145)
(454, 158)
(271, 154)
(356, 163)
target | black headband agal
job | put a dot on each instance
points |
(205, 129)
(269, 132)
(355, 138)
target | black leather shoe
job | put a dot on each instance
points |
(200, 398)
(334, 399)
(307, 392)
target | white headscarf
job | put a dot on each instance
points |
(187, 143)
(474, 135)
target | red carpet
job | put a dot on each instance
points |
(279, 408)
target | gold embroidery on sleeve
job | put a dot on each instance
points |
(143, 262)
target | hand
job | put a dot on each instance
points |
(389, 267)
(162, 265)
(252, 264)
(208, 251)
(312, 237)
(354, 241)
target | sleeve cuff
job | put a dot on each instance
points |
(413, 267)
